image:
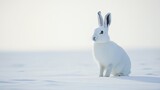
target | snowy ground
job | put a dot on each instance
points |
(75, 70)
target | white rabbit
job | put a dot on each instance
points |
(110, 56)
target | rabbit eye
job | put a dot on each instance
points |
(101, 32)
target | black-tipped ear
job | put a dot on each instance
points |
(107, 21)
(100, 19)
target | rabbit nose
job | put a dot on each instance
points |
(94, 38)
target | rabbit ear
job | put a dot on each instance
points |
(107, 20)
(100, 19)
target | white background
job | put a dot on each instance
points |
(35, 25)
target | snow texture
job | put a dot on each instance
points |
(75, 70)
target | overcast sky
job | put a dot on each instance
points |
(69, 24)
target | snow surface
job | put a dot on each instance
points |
(75, 70)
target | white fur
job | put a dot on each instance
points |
(111, 57)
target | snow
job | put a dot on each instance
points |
(75, 70)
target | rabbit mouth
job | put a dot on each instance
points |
(94, 38)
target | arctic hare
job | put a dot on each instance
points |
(110, 56)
